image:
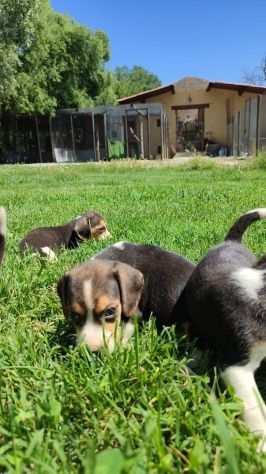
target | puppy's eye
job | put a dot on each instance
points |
(76, 318)
(109, 315)
(101, 229)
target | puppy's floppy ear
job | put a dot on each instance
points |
(131, 283)
(63, 288)
(92, 215)
(79, 225)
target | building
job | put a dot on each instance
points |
(228, 118)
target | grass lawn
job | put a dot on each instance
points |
(63, 409)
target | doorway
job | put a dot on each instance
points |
(190, 127)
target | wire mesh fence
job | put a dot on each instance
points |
(95, 134)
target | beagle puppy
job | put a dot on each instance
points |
(224, 304)
(45, 240)
(102, 297)
(2, 232)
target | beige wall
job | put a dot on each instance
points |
(155, 137)
(191, 91)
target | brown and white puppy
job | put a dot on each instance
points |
(101, 297)
(45, 240)
(225, 306)
(2, 232)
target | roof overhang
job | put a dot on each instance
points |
(240, 88)
(147, 94)
(228, 86)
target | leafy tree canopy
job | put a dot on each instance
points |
(47, 60)
(131, 81)
(123, 82)
(17, 32)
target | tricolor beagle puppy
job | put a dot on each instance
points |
(101, 297)
(2, 232)
(45, 240)
(225, 306)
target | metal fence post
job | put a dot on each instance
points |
(73, 137)
(93, 136)
(38, 138)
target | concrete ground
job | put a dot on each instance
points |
(177, 160)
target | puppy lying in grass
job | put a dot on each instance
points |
(2, 232)
(224, 304)
(102, 297)
(45, 240)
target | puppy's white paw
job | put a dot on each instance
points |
(47, 252)
(261, 448)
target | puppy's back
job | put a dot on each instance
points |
(165, 275)
(222, 259)
(52, 237)
(213, 297)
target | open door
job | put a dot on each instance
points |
(190, 128)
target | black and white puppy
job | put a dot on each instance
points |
(225, 305)
(45, 240)
(102, 296)
(2, 232)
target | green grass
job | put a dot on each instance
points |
(139, 410)
(259, 162)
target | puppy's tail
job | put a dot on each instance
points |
(237, 230)
(2, 232)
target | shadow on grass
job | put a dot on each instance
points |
(64, 337)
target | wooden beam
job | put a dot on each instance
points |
(190, 106)
(126, 130)
(149, 133)
(258, 125)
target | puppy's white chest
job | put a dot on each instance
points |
(257, 354)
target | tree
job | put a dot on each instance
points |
(123, 82)
(257, 75)
(47, 61)
(82, 75)
(17, 30)
(108, 94)
(129, 82)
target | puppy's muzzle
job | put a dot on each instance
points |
(105, 235)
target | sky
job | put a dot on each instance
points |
(215, 40)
